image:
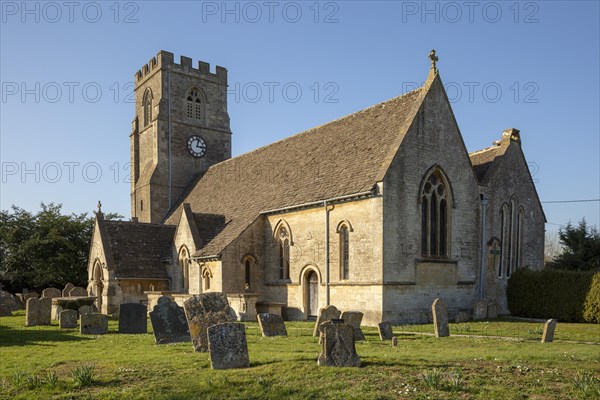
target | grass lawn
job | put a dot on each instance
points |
(38, 362)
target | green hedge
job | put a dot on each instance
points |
(549, 293)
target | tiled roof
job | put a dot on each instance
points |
(483, 160)
(139, 248)
(343, 157)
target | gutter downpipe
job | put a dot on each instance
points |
(327, 259)
(483, 201)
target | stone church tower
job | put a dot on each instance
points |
(180, 129)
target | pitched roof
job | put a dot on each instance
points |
(139, 248)
(483, 160)
(342, 157)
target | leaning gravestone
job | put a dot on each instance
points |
(78, 291)
(385, 330)
(337, 346)
(38, 311)
(548, 335)
(440, 318)
(325, 314)
(354, 318)
(227, 346)
(67, 319)
(168, 322)
(51, 293)
(7, 304)
(132, 318)
(480, 310)
(67, 289)
(203, 311)
(271, 324)
(93, 324)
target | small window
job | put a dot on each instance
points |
(141, 205)
(147, 107)
(194, 104)
(247, 267)
(344, 252)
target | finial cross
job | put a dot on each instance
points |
(434, 59)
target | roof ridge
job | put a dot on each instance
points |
(493, 147)
(310, 130)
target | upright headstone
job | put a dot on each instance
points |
(271, 324)
(51, 293)
(325, 314)
(203, 311)
(78, 291)
(462, 316)
(67, 289)
(168, 322)
(93, 324)
(68, 319)
(337, 346)
(354, 319)
(480, 310)
(7, 304)
(227, 346)
(85, 310)
(38, 311)
(133, 318)
(548, 335)
(492, 310)
(394, 341)
(385, 330)
(440, 318)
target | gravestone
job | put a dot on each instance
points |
(271, 324)
(51, 293)
(385, 330)
(548, 335)
(354, 319)
(203, 311)
(337, 346)
(38, 311)
(394, 341)
(78, 291)
(67, 289)
(480, 310)
(85, 310)
(168, 322)
(67, 319)
(440, 318)
(7, 304)
(462, 316)
(93, 324)
(492, 310)
(227, 346)
(325, 314)
(132, 318)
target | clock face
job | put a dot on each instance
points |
(196, 146)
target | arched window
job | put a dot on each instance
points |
(248, 275)
(504, 239)
(147, 107)
(512, 234)
(206, 280)
(434, 216)
(194, 103)
(519, 239)
(184, 263)
(344, 252)
(283, 244)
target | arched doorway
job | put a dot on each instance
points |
(97, 285)
(312, 294)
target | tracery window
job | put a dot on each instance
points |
(194, 104)
(434, 216)
(283, 243)
(184, 262)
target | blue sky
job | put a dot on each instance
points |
(67, 68)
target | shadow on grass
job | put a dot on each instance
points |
(10, 336)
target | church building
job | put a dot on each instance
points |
(380, 211)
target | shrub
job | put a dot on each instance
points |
(591, 312)
(550, 293)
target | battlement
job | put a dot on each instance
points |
(165, 58)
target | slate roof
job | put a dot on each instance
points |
(343, 157)
(139, 248)
(483, 160)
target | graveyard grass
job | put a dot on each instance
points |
(38, 362)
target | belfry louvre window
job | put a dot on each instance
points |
(194, 104)
(434, 216)
(147, 107)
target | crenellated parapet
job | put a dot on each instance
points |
(165, 59)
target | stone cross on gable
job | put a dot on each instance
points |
(434, 59)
